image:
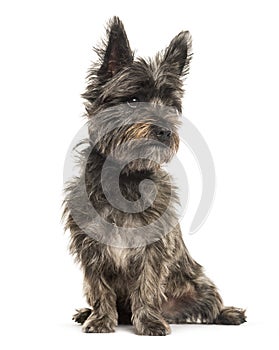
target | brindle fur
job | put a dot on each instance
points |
(150, 285)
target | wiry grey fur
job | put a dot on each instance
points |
(147, 277)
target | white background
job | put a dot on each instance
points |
(232, 98)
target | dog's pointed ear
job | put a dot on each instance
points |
(116, 53)
(179, 53)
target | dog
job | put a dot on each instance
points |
(121, 211)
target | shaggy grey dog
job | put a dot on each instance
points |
(120, 210)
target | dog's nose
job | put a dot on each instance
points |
(162, 134)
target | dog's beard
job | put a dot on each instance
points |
(141, 154)
(149, 158)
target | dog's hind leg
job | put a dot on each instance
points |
(197, 300)
(82, 315)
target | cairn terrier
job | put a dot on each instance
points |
(121, 211)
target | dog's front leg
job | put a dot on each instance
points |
(102, 298)
(146, 298)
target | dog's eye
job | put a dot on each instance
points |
(133, 102)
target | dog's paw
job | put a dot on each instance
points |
(231, 316)
(103, 325)
(155, 329)
(82, 315)
(151, 325)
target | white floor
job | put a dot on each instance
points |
(69, 336)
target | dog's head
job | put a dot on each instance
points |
(133, 105)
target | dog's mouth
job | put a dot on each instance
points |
(151, 147)
(158, 144)
(155, 143)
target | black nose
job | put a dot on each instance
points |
(162, 134)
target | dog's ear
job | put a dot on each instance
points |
(116, 53)
(178, 54)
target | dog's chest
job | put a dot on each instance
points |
(118, 255)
